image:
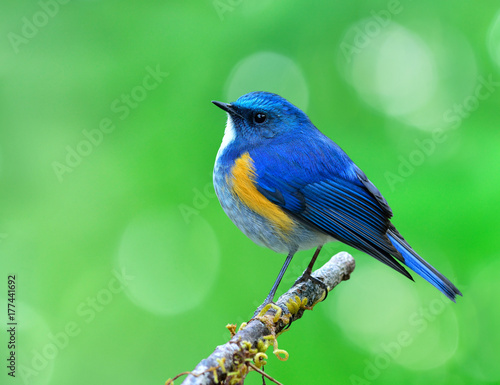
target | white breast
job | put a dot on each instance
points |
(229, 135)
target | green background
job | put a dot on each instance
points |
(400, 86)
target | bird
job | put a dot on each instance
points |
(289, 187)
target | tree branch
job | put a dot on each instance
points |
(231, 362)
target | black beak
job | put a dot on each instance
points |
(225, 106)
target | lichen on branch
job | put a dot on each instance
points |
(246, 350)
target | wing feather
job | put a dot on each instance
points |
(331, 194)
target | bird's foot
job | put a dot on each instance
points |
(307, 276)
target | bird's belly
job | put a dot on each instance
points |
(259, 228)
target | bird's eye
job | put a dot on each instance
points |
(259, 117)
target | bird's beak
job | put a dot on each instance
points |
(225, 106)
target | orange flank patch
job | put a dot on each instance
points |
(243, 185)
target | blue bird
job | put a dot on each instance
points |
(289, 187)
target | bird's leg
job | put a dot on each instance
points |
(271, 294)
(313, 260)
(307, 273)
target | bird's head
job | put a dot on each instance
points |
(258, 116)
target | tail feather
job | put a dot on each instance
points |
(422, 267)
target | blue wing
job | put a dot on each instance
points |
(319, 184)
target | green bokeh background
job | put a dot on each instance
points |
(377, 77)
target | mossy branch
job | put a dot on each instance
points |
(231, 362)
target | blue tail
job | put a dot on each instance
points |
(421, 267)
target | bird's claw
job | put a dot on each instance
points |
(307, 276)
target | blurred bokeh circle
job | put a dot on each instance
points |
(271, 72)
(406, 74)
(159, 249)
(403, 328)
